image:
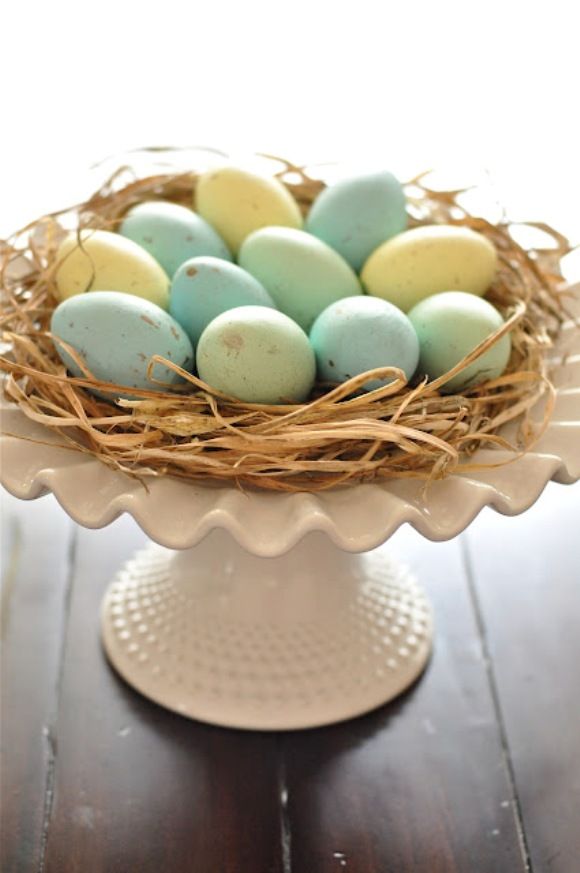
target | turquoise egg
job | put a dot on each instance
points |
(301, 273)
(203, 288)
(360, 333)
(357, 214)
(449, 326)
(172, 234)
(258, 355)
(116, 334)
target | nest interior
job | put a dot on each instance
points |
(340, 436)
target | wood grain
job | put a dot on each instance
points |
(138, 788)
(421, 785)
(526, 572)
(37, 544)
(442, 781)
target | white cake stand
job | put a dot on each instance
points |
(258, 610)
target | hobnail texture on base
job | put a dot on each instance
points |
(310, 638)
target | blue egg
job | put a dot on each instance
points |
(354, 216)
(172, 234)
(358, 334)
(116, 335)
(203, 288)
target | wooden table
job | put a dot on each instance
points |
(476, 769)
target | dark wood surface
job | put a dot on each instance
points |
(525, 574)
(475, 770)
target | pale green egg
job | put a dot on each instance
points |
(449, 326)
(172, 234)
(357, 214)
(302, 274)
(257, 355)
(116, 335)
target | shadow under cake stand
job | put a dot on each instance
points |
(273, 611)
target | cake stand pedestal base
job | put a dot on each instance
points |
(313, 637)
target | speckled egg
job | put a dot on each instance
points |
(301, 273)
(172, 234)
(427, 260)
(449, 327)
(357, 214)
(237, 202)
(106, 261)
(360, 333)
(116, 335)
(203, 288)
(258, 355)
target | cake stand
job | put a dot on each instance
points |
(272, 611)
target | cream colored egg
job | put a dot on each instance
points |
(258, 355)
(103, 261)
(236, 202)
(428, 260)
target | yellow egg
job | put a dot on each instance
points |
(427, 260)
(106, 261)
(236, 202)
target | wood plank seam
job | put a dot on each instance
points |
(285, 827)
(490, 673)
(49, 730)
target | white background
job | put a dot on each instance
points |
(412, 84)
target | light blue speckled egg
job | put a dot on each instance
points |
(116, 334)
(203, 288)
(357, 214)
(450, 325)
(360, 333)
(301, 273)
(172, 234)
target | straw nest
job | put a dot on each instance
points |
(341, 436)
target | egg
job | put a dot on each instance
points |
(172, 234)
(427, 260)
(301, 273)
(236, 202)
(105, 261)
(449, 327)
(258, 355)
(116, 335)
(357, 214)
(360, 333)
(203, 288)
